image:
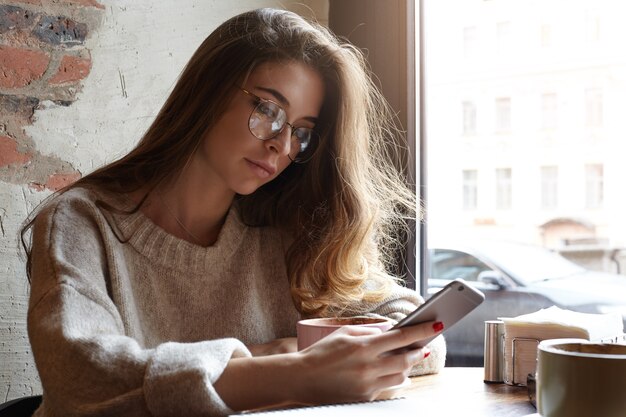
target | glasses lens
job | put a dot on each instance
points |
(304, 140)
(267, 120)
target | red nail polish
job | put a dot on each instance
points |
(438, 326)
(427, 354)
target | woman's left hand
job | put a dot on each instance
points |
(284, 345)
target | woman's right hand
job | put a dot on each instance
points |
(354, 364)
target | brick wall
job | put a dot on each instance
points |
(43, 58)
(43, 62)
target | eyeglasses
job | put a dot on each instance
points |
(268, 119)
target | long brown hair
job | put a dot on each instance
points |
(342, 208)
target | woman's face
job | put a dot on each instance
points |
(231, 156)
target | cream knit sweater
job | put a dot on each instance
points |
(128, 320)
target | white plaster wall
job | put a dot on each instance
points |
(137, 52)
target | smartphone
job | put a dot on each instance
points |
(448, 305)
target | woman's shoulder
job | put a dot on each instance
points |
(79, 201)
(75, 194)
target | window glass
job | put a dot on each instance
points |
(549, 187)
(593, 103)
(503, 114)
(504, 190)
(549, 111)
(503, 37)
(469, 118)
(524, 154)
(594, 185)
(470, 189)
(537, 153)
(469, 42)
(546, 35)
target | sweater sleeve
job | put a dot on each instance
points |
(398, 305)
(87, 363)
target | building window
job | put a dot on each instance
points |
(549, 111)
(594, 185)
(503, 189)
(470, 189)
(592, 26)
(469, 118)
(546, 36)
(469, 42)
(593, 107)
(503, 114)
(549, 187)
(503, 38)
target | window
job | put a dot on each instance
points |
(549, 187)
(469, 118)
(503, 189)
(546, 35)
(554, 118)
(470, 189)
(503, 114)
(469, 42)
(593, 107)
(549, 111)
(594, 185)
(592, 27)
(503, 36)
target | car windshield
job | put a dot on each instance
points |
(532, 263)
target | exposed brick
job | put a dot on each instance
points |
(60, 30)
(9, 155)
(57, 181)
(91, 3)
(15, 18)
(72, 68)
(19, 67)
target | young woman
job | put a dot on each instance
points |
(170, 281)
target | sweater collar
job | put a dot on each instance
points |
(163, 248)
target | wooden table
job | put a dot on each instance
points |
(453, 392)
(462, 392)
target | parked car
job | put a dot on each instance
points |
(516, 279)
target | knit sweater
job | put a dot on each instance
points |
(126, 319)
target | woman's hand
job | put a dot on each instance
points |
(354, 363)
(284, 345)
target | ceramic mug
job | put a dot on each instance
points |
(577, 378)
(311, 330)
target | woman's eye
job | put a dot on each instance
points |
(267, 109)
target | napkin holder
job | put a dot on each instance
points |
(523, 334)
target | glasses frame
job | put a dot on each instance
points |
(314, 134)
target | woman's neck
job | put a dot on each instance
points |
(189, 211)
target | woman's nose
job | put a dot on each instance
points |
(281, 143)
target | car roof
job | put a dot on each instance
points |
(523, 262)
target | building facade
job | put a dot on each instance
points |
(525, 127)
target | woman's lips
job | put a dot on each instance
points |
(261, 169)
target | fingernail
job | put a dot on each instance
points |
(438, 326)
(426, 354)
